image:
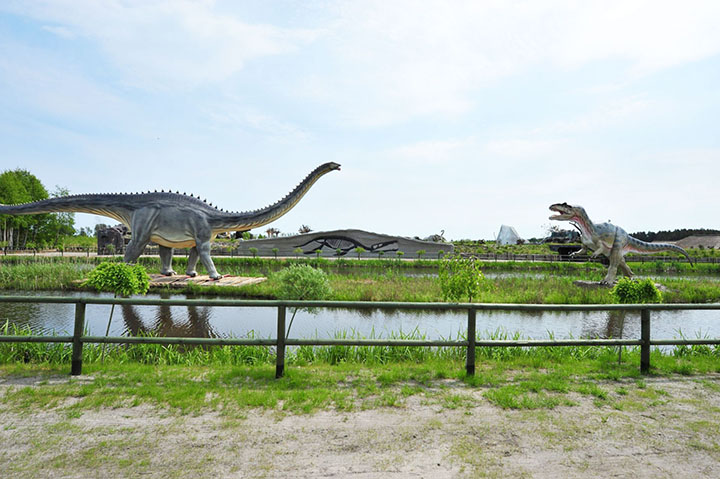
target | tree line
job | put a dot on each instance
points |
(673, 235)
(31, 231)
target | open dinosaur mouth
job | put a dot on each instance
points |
(563, 214)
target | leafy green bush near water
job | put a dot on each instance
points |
(119, 278)
(632, 291)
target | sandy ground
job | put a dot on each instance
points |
(663, 428)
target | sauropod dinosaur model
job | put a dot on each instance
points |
(608, 240)
(172, 220)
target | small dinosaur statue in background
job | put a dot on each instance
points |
(172, 220)
(608, 240)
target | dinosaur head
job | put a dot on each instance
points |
(331, 166)
(567, 212)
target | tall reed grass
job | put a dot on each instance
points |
(60, 353)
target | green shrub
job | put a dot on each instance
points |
(630, 291)
(302, 282)
(119, 278)
(460, 278)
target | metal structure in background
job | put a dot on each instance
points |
(281, 342)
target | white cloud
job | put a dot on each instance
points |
(62, 32)
(618, 111)
(401, 59)
(61, 89)
(166, 44)
(432, 152)
(523, 147)
(232, 115)
(650, 34)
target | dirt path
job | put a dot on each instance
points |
(660, 428)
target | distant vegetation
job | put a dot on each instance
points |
(31, 231)
(391, 279)
(673, 235)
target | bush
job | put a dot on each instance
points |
(460, 278)
(302, 282)
(630, 291)
(119, 278)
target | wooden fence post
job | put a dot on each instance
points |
(470, 364)
(645, 338)
(77, 345)
(280, 355)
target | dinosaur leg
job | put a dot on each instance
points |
(203, 251)
(615, 258)
(192, 262)
(141, 226)
(625, 269)
(166, 255)
(134, 249)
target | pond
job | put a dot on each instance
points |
(208, 321)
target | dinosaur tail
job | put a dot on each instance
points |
(642, 247)
(93, 204)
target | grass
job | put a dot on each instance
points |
(537, 389)
(231, 388)
(344, 377)
(542, 283)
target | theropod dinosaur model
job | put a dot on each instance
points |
(172, 220)
(608, 239)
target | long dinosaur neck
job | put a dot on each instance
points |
(252, 219)
(583, 223)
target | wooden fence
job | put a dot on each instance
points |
(281, 342)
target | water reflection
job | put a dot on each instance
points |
(209, 322)
(169, 322)
(615, 324)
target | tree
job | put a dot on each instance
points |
(20, 186)
(460, 278)
(301, 282)
(58, 224)
(17, 187)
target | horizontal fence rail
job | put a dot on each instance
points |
(281, 342)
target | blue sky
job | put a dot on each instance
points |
(456, 116)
